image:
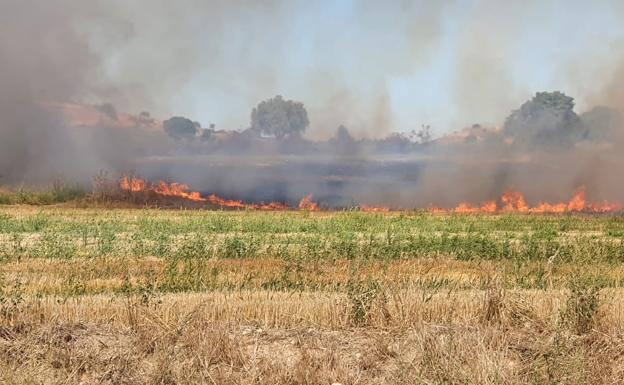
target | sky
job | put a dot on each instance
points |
(373, 66)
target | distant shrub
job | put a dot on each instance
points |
(180, 128)
(57, 192)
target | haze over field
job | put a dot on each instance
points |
(311, 192)
(425, 93)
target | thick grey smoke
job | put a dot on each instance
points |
(45, 59)
(220, 58)
(34, 60)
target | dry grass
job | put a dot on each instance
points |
(474, 337)
(79, 276)
(75, 310)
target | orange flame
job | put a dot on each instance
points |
(577, 203)
(433, 209)
(549, 208)
(488, 207)
(306, 203)
(374, 209)
(132, 184)
(512, 201)
(181, 191)
(177, 190)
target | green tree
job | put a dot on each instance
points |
(180, 128)
(547, 119)
(279, 117)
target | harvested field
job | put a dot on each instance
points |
(149, 296)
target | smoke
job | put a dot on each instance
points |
(44, 58)
(131, 56)
(215, 60)
(484, 90)
(374, 68)
(611, 94)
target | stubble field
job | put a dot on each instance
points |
(95, 295)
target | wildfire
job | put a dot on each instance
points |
(132, 184)
(511, 201)
(177, 190)
(374, 209)
(514, 201)
(489, 207)
(181, 191)
(306, 203)
(218, 201)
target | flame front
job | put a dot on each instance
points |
(306, 203)
(512, 201)
(374, 209)
(181, 191)
(489, 207)
(132, 184)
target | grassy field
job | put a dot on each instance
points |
(92, 295)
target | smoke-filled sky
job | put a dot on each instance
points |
(373, 66)
(370, 65)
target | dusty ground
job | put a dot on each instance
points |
(490, 337)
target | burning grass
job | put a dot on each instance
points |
(255, 297)
(133, 188)
(132, 191)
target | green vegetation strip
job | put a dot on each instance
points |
(526, 247)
